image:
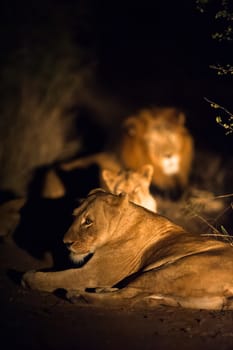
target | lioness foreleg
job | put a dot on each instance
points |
(50, 281)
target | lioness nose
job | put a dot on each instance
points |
(168, 155)
(68, 244)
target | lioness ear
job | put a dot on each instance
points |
(129, 125)
(117, 200)
(96, 190)
(109, 177)
(75, 211)
(147, 171)
(124, 198)
(181, 118)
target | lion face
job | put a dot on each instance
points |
(135, 183)
(164, 147)
(90, 230)
(158, 136)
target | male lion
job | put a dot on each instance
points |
(134, 255)
(156, 136)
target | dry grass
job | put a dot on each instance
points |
(196, 208)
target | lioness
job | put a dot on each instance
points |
(135, 183)
(135, 255)
(156, 136)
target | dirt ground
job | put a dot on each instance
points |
(35, 320)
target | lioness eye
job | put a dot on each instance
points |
(87, 221)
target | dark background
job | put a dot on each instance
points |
(141, 53)
(149, 52)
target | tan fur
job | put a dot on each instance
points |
(106, 160)
(147, 256)
(52, 186)
(159, 137)
(135, 183)
(156, 136)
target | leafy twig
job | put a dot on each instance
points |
(226, 125)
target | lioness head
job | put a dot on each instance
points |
(158, 136)
(90, 229)
(135, 183)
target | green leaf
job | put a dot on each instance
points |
(224, 231)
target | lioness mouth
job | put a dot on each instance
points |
(80, 259)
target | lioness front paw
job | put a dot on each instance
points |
(28, 279)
